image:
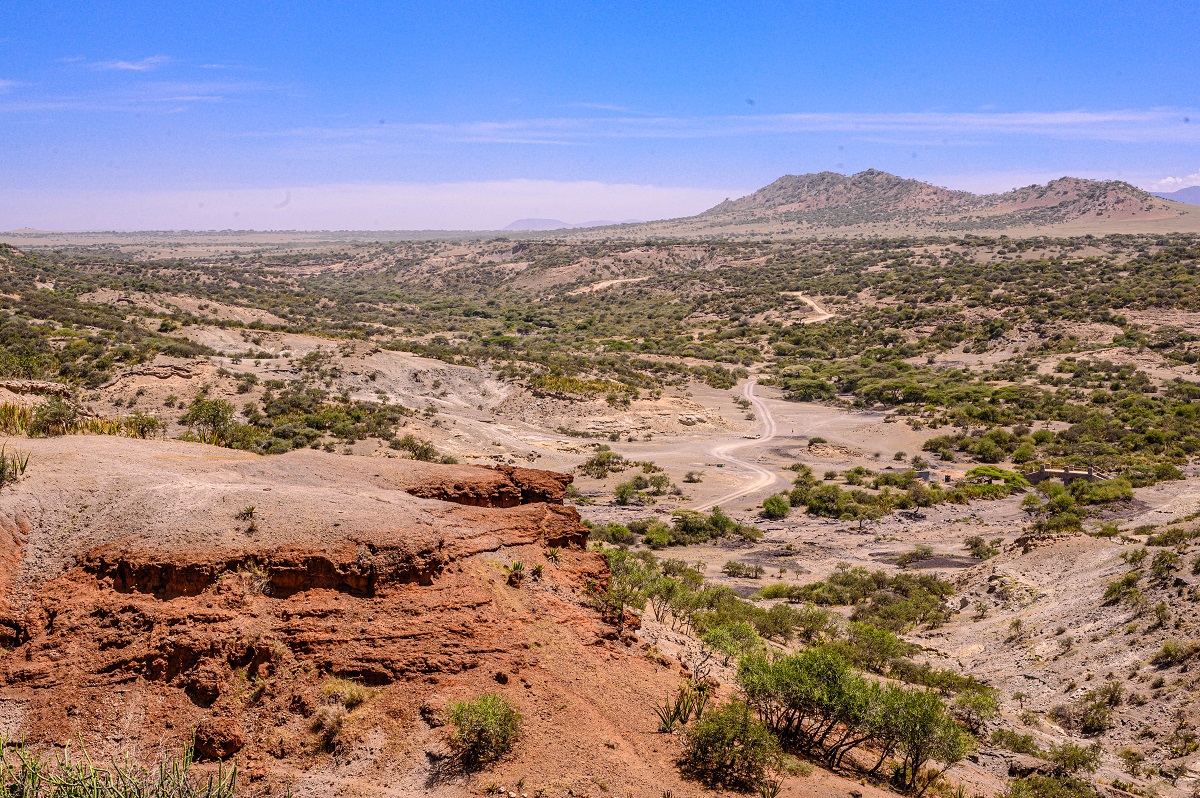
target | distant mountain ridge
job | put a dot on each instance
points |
(828, 200)
(558, 224)
(1190, 195)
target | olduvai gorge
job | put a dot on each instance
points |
(854, 486)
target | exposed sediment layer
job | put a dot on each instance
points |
(138, 571)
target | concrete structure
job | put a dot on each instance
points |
(1065, 474)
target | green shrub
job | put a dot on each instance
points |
(777, 590)
(612, 532)
(918, 554)
(776, 507)
(657, 536)
(53, 417)
(1176, 652)
(1164, 566)
(632, 577)
(804, 696)
(896, 603)
(981, 549)
(485, 728)
(1091, 713)
(741, 570)
(1016, 742)
(1123, 589)
(420, 449)
(1103, 491)
(690, 527)
(729, 747)
(1038, 786)
(602, 463)
(988, 472)
(1070, 759)
(734, 639)
(975, 708)
(871, 648)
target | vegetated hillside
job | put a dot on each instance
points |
(835, 200)
(872, 203)
(831, 200)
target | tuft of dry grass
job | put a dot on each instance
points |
(347, 692)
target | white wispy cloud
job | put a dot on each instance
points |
(9, 85)
(144, 96)
(1151, 125)
(142, 65)
(616, 109)
(1174, 183)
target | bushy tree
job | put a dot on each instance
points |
(777, 506)
(730, 747)
(55, 416)
(210, 418)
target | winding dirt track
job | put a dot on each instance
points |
(762, 477)
(822, 314)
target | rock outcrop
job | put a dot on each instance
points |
(155, 592)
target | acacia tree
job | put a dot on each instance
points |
(926, 733)
(817, 703)
(211, 418)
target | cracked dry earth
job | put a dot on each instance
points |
(142, 606)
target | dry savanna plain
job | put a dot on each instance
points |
(648, 515)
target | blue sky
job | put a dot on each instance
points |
(134, 115)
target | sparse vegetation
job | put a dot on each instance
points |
(981, 549)
(346, 692)
(688, 704)
(739, 570)
(484, 728)
(66, 774)
(895, 603)
(12, 465)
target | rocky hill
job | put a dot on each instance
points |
(836, 200)
(878, 203)
(831, 200)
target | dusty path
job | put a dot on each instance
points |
(763, 477)
(822, 314)
(600, 286)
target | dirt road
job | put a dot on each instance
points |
(822, 313)
(762, 477)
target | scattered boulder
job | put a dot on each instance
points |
(218, 738)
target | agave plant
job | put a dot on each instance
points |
(33, 775)
(12, 465)
(688, 704)
(516, 573)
